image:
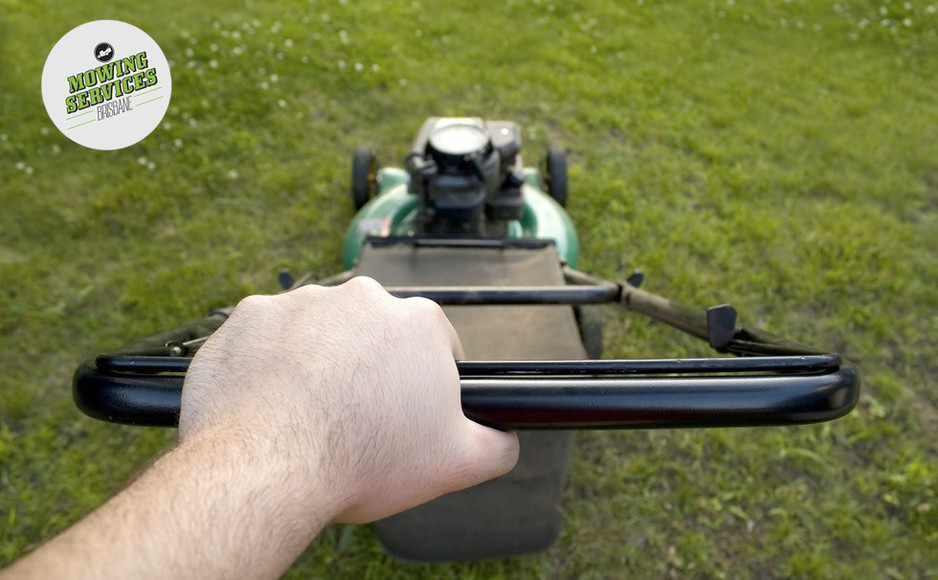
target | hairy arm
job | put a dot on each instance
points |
(319, 405)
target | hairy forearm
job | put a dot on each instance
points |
(202, 510)
(316, 405)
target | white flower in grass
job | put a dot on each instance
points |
(359, 67)
(142, 160)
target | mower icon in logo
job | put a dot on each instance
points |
(104, 52)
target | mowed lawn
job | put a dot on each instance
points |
(779, 155)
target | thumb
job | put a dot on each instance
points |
(490, 453)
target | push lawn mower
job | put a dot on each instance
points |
(466, 225)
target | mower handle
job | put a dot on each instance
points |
(775, 382)
(510, 395)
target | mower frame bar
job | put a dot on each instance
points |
(148, 364)
(775, 382)
(693, 399)
(515, 295)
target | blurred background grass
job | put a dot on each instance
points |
(780, 155)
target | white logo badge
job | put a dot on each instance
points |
(106, 85)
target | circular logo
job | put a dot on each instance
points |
(104, 97)
(104, 52)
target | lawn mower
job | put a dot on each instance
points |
(465, 224)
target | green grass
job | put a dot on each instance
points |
(779, 155)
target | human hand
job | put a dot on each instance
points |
(347, 394)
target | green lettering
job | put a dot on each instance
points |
(75, 84)
(83, 101)
(90, 79)
(151, 76)
(94, 96)
(70, 106)
(141, 60)
(127, 85)
(108, 91)
(105, 73)
(129, 65)
(140, 81)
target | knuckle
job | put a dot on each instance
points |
(426, 310)
(364, 286)
(251, 303)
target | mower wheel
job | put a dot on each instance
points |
(555, 175)
(364, 177)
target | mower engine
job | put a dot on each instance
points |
(468, 173)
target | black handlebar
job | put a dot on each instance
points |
(775, 382)
(707, 393)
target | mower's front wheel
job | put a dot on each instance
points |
(364, 177)
(555, 175)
